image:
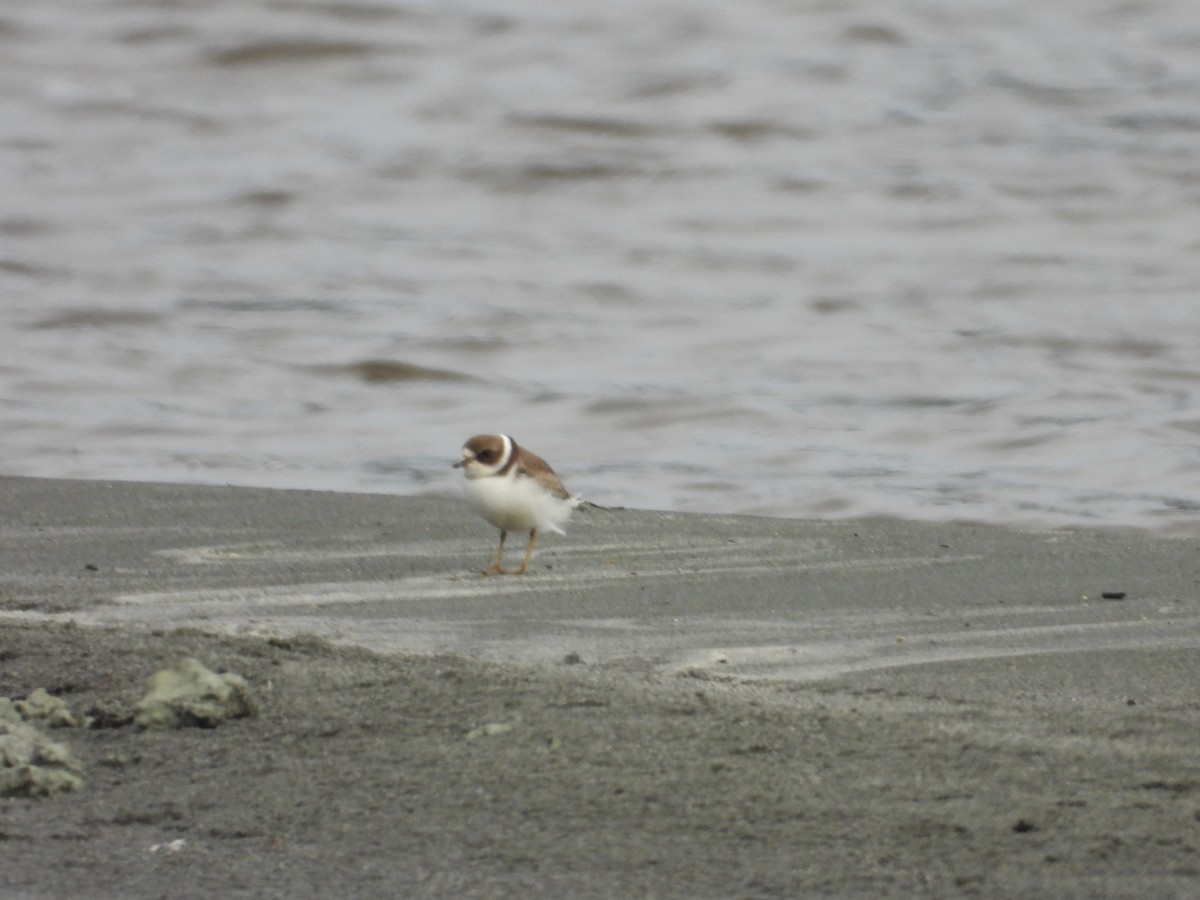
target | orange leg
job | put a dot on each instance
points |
(528, 553)
(496, 568)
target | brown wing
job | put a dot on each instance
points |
(533, 465)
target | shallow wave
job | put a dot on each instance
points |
(932, 263)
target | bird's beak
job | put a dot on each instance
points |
(459, 464)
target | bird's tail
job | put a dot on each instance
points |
(578, 502)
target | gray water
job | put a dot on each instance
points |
(935, 260)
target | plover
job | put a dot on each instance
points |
(515, 490)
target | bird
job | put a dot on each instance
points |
(515, 490)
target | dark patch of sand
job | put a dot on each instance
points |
(373, 776)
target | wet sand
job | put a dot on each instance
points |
(671, 706)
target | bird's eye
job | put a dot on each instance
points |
(484, 455)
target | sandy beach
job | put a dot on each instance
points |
(670, 706)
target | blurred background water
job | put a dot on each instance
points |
(928, 259)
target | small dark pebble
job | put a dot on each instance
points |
(1113, 595)
(1024, 826)
(110, 715)
(92, 567)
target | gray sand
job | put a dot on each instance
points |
(670, 706)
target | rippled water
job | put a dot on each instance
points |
(925, 259)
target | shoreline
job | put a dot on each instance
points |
(674, 705)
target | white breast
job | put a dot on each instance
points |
(513, 503)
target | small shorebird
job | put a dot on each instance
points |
(515, 490)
